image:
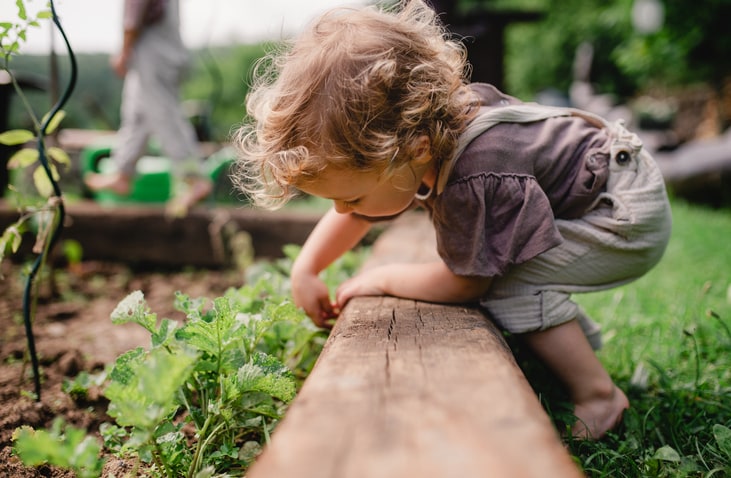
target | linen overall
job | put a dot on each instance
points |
(620, 238)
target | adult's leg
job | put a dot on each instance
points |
(164, 113)
(130, 141)
(176, 134)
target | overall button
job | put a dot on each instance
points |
(623, 157)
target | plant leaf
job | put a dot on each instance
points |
(266, 374)
(722, 434)
(62, 445)
(124, 366)
(23, 158)
(149, 395)
(667, 453)
(15, 137)
(214, 335)
(55, 121)
(59, 155)
(11, 237)
(73, 251)
(43, 182)
(22, 14)
(164, 333)
(134, 308)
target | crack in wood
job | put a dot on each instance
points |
(419, 339)
(391, 325)
(449, 401)
(392, 337)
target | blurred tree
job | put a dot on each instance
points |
(692, 44)
(221, 78)
(482, 31)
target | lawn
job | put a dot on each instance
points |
(667, 343)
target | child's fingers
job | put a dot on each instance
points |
(327, 312)
(342, 295)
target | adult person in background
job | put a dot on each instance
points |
(153, 62)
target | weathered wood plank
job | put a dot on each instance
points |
(143, 234)
(699, 170)
(407, 389)
(696, 159)
(412, 389)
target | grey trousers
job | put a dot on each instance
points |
(151, 107)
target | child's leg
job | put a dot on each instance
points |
(598, 402)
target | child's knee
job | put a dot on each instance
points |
(540, 311)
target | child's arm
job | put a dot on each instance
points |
(430, 282)
(334, 235)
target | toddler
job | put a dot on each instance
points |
(371, 109)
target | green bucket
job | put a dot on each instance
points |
(153, 179)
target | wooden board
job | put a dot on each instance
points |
(143, 234)
(696, 159)
(411, 389)
(407, 389)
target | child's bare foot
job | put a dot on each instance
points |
(196, 191)
(117, 183)
(598, 415)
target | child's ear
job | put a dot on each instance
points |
(422, 150)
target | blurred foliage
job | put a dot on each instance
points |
(218, 79)
(691, 47)
(227, 94)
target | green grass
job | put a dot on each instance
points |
(667, 344)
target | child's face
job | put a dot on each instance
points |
(368, 193)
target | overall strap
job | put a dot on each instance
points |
(522, 113)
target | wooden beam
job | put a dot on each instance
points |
(142, 234)
(412, 389)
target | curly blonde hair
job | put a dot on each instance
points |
(355, 91)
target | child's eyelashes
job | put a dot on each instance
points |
(352, 202)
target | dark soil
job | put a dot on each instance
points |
(73, 333)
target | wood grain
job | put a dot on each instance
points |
(413, 389)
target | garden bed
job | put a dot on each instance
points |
(74, 333)
(119, 249)
(209, 236)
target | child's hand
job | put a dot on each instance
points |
(311, 293)
(368, 282)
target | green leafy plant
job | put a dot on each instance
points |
(212, 373)
(61, 445)
(206, 395)
(28, 157)
(40, 218)
(12, 35)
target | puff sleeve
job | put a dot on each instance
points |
(488, 221)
